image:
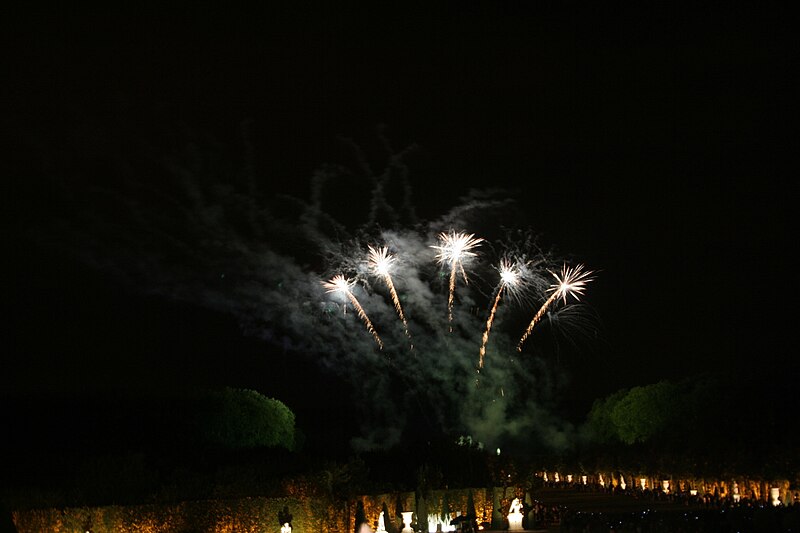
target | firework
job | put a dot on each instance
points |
(571, 281)
(341, 284)
(453, 249)
(509, 277)
(380, 262)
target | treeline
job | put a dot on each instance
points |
(120, 449)
(718, 425)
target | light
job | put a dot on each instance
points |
(341, 284)
(498, 451)
(454, 248)
(774, 494)
(379, 260)
(571, 282)
(380, 263)
(509, 272)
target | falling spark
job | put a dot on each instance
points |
(572, 281)
(509, 277)
(381, 262)
(453, 249)
(340, 284)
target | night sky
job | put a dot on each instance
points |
(650, 144)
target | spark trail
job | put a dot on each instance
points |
(340, 284)
(572, 281)
(453, 249)
(380, 262)
(509, 277)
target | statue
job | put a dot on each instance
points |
(515, 515)
(408, 516)
(381, 524)
(285, 519)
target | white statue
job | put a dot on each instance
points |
(515, 515)
(408, 516)
(381, 524)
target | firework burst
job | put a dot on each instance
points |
(571, 281)
(510, 278)
(454, 247)
(341, 284)
(380, 263)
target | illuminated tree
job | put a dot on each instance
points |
(644, 412)
(599, 421)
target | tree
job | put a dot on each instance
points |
(644, 412)
(361, 516)
(284, 516)
(422, 512)
(599, 421)
(241, 418)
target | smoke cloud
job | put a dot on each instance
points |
(204, 232)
